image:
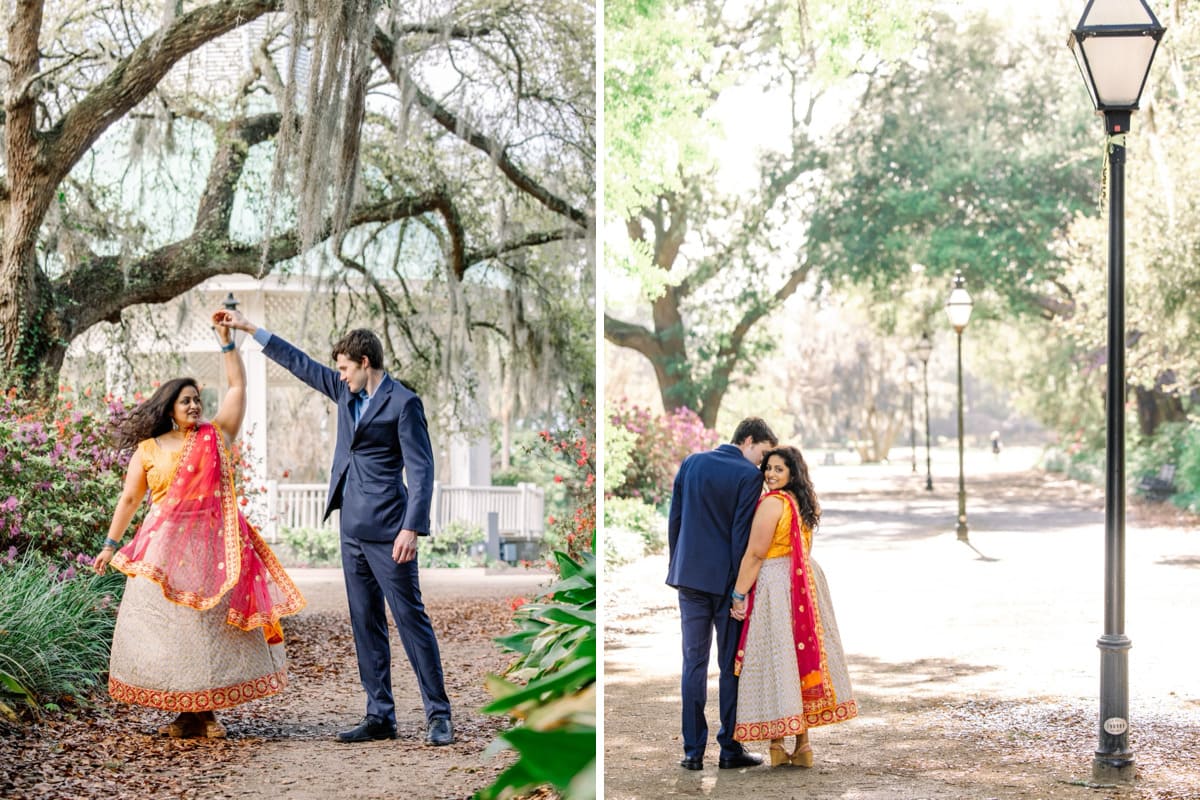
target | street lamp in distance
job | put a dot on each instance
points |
(924, 349)
(958, 309)
(1114, 45)
(910, 376)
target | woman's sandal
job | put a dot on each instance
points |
(779, 756)
(211, 727)
(802, 757)
(184, 726)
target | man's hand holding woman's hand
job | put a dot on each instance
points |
(232, 319)
(738, 609)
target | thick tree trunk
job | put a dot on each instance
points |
(1154, 407)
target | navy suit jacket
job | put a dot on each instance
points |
(709, 524)
(373, 461)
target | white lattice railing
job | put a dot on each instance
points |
(521, 508)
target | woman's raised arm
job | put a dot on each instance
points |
(233, 405)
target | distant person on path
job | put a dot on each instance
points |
(382, 480)
(711, 507)
(996, 443)
(198, 627)
(792, 671)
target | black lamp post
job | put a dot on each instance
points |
(958, 309)
(231, 303)
(910, 375)
(924, 350)
(1114, 45)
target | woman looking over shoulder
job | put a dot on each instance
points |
(792, 669)
(198, 628)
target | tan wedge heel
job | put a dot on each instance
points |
(802, 757)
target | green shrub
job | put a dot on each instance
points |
(632, 514)
(314, 547)
(513, 477)
(456, 545)
(622, 546)
(553, 689)
(55, 629)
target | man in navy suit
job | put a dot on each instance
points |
(712, 505)
(382, 480)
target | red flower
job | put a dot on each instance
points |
(516, 603)
(558, 479)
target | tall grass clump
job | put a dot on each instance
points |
(55, 631)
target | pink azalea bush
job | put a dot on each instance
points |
(661, 443)
(59, 481)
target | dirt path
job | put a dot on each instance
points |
(283, 746)
(976, 668)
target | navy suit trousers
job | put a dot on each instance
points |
(373, 578)
(701, 614)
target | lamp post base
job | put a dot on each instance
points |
(962, 529)
(1113, 768)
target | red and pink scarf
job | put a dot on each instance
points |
(198, 546)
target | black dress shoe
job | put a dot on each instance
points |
(742, 759)
(440, 731)
(691, 763)
(370, 729)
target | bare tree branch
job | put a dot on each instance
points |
(385, 50)
(528, 240)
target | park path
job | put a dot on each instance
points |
(300, 760)
(975, 667)
(283, 746)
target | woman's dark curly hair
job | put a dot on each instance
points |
(799, 485)
(151, 417)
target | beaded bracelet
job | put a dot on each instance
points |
(736, 595)
(113, 543)
(225, 348)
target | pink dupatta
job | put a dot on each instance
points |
(806, 632)
(198, 546)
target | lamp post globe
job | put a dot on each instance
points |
(958, 309)
(924, 350)
(1114, 45)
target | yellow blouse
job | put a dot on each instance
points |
(781, 541)
(159, 465)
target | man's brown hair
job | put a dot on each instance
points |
(358, 343)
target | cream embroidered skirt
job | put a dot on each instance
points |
(175, 658)
(770, 705)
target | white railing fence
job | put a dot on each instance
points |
(521, 508)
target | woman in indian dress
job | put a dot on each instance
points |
(792, 671)
(198, 629)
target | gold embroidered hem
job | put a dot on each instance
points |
(828, 716)
(204, 700)
(775, 729)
